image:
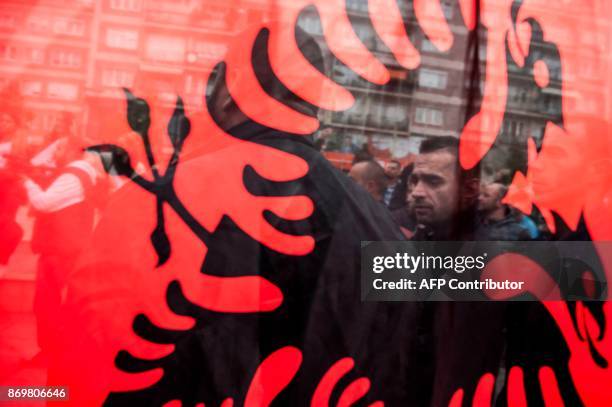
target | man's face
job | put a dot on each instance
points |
(393, 170)
(327, 132)
(434, 186)
(489, 199)
(409, 200)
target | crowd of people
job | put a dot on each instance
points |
(60, 187)
(412, 353)
(432, 198)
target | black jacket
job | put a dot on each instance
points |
(322, 314)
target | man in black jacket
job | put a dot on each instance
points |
(463, 339)
(322, 314)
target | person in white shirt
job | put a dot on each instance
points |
(65, 209)
(65, 190)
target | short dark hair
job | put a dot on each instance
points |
(432, 144)
(361, 156)
(375, 172)
(451, 144)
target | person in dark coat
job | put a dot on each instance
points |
(464, 340)
(322, 314)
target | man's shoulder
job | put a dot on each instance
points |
(508, 228)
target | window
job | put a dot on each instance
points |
(357, 114)
(165, 48)
(126, 5)
(375, 111)
(536, 130)
(553, 104)
(8, 21)
(39, 23)
(514, 128)
(8, 52)
(66, 59)
(117, 78)
(194, 85)
(395, 114)
(31, 88)
(63, 91)
(513, 93)
(520, 129)
(36, 55)
(509, 127)
(43, 121)
(175, 6)
(426, 115)
(554, 67)
(429, 78)
(122, 38)
(74, 28)
(208, 51)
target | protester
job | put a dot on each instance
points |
(400, 192)
(371, 176)
(498, 222)
(322, 138)
(321, 312)
(444, 197)
(393, 169)
(460, 339)
(404, 216)
(529, 224)
(64, 213)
